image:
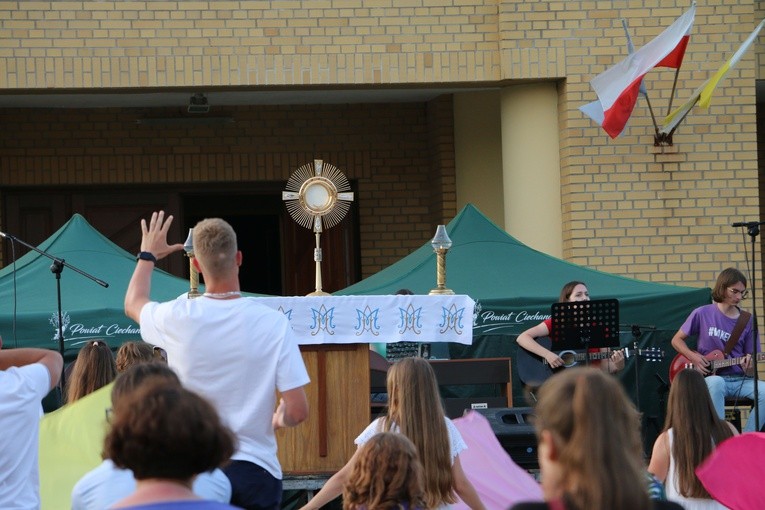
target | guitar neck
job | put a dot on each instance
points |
(583, 356)
(729, 362)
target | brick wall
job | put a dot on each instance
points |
(386, 148)
(628, 208)
(660, 214)
(159, 44)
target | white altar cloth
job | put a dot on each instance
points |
(381, 319)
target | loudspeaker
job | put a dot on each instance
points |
(515, 433)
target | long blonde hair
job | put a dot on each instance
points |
(596, 432)
(414, 405)
(696, 430)
(94, 368)
(386, 474)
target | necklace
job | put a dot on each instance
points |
(223, 295)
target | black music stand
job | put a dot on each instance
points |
(585, 325)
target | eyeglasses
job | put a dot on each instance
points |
(736, 292)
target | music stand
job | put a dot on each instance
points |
(585, 325)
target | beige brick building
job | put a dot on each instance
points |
(425, 105)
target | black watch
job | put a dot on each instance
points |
(145, 255)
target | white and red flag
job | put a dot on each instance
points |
(617, 87)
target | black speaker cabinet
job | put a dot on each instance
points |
(515, 432)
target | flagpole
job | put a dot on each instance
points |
(653, 117)
(672, 131)
(674, 87)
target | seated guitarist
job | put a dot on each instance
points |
(714, 325)
(571, 292)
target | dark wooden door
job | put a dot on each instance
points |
(278, 253)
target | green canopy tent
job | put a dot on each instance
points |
(514, 286)
(28, 294)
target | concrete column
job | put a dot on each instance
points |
(531, 165)
(478, 153)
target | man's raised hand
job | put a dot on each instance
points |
(154, 236)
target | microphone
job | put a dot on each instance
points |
(747, 224)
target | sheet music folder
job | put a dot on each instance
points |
(585, 324)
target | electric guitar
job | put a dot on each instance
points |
(716, 360)
(534, 370)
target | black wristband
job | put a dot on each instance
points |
(145, 255)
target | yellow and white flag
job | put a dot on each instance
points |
(703, 94)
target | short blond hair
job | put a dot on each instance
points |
(215, 246)
(131, 353)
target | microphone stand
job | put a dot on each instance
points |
(57, 267)
(753, 230)
(636, 334)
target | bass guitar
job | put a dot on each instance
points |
(716, 360)
(534, 370)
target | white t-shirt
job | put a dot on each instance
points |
(456, 443)
(236, 353)
(21, 391)
(105, 485)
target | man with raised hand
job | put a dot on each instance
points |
(228, 348)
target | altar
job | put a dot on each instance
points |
(334, 333)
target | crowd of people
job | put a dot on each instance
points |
(192, 425)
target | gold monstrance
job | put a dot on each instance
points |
(318, 197)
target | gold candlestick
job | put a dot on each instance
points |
(441, 244)
(188, 247)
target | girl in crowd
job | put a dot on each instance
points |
(131, 353)
(414, 410)
(387, 475)
(691, 431)
(571, 292)
(167, 435)
(106, 484)
(93, 369)
(590, 451)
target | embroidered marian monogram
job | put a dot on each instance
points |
(452, 319)
(366, 320)
(287, 313)
(323, 319)
(410, 320)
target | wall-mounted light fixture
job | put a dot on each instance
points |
(198, 103)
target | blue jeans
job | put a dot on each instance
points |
(736, 386)
(252, 487)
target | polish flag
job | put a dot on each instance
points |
(617, 87)
(675, 59)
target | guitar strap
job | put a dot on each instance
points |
(743, 319)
